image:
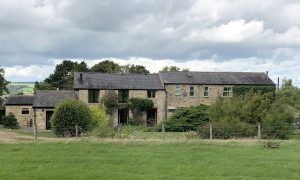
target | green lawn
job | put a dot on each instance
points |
(149, 160)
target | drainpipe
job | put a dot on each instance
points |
(35, 124)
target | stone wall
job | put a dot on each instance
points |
(17, 111)
(159, 102)
(185, 100)
(41, 118)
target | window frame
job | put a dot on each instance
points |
(177, 90)
(93, 95)
(227, 93)
(25, 110)
(151, 93)
(191, 86)
(206, 90)
(123, 99)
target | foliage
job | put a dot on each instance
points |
(43, 86)
(251, 108)
(137, 106)
(62, 77)
(141, 104)
(110, 101)
(10, 121)
(187, 118)
(99, 116)
(3, 83)
(226, 131)
(106, 66)
(289, 94)
(105, 132)
(191, 135)
(242, 90)
(69, 113)
(173, 69)
(134, 69)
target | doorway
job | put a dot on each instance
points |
(151, 117)
(123, 116)
(48, 119)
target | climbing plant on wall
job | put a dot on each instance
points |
(242, 90)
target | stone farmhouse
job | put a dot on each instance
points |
(167, 90)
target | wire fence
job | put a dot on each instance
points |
(208, 131)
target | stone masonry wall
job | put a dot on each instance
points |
(184, 100)
(41, 118)
(21, 118)
(159, 101)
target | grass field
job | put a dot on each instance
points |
(149, 160)
(19, 87)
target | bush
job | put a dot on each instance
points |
(10, 121)
(228, 131)
(110, 101)
(99, 116)
(69, 113)
(138, 106)
(188, 118)
(105, 132)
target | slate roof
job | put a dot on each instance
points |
(49, 98)
(20, 100)
(216, 78)
(117, 81)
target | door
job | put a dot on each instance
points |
(151, 117)
(123, 116)
(48, 119)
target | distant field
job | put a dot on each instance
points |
(148, 160)
(21, 87)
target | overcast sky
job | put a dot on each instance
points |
(203, 35)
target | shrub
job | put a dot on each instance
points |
(105, 132)
(138, 106)
(110, 101)
(228, 131)
(69, 113)
(188, 118)
(99, 116)
(10, 121)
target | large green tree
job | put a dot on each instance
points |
(3, 83)
(62, 77)
(173, 69)
(106, 66)
(134, 69)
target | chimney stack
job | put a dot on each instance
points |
(267, 73)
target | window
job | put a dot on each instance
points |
(151, 93)
(93, 96)
(123, 96)
(206, 93)
(25, 111)
(192, 91)
(227, 91)
(177, 90)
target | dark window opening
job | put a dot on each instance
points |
(25, 111)
(151, 93)
(151, 117)
(123, 96)
(123, 116)
(93, 96)
(48, 119)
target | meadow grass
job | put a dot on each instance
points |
(149, 160)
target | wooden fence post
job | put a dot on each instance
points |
(210, 132)
(258, 132)
(76, 129)
(163, 131)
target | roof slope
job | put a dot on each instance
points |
(216, 78)
(49, 98)
(20, 100)
(117, 81)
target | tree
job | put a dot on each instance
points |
(3, 83)
(106, 66)
(68, 114)
(173, 69)
(62, 77)
(134, 69)
(42, 86)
